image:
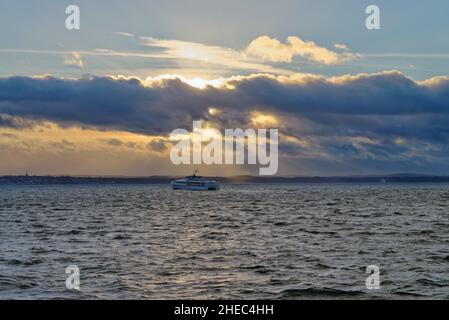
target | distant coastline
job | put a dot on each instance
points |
(54, 180)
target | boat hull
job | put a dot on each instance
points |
(205, 187)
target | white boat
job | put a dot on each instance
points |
(195, 182)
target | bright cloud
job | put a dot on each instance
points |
(271, 49)
(209, 56)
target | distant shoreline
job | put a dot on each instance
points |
(54, 180)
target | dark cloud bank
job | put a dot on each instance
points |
(400, 120)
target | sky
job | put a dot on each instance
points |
(103, 100)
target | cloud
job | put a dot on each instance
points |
(209, 55)
(64, 144)
(257, 56)
(74, 59)
(341, 46)
(158, 145)
(124, 34)
(114, 142)
(9, 121)
(8, 135)
(385, 117)
(271, 49)
(159, 104)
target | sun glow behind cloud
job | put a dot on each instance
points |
(209, 56)
(198, 82)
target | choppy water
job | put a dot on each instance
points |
(245, 241)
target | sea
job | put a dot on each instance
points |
(246, 241)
